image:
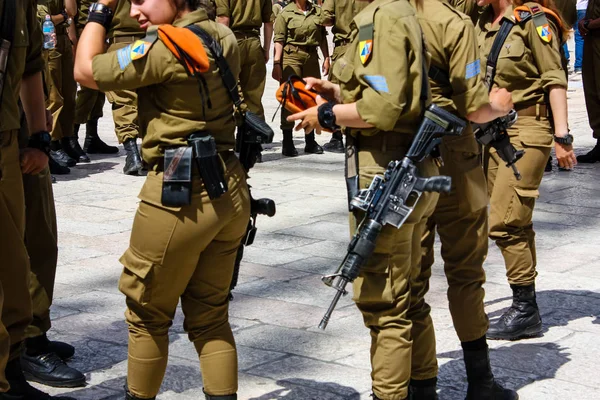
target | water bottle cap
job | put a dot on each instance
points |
(47, 17)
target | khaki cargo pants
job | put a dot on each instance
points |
(185, 253)
(253, 73)
(512, 201)
(89, 105)
(382, 290)
(460, 218)
(14, 269)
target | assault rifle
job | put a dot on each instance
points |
(494, 134)
(391, 198)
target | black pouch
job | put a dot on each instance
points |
(251, 135)
(209, 164)
(177, 177)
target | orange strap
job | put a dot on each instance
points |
(548, 11)
(186, 46)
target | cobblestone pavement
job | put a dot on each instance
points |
(280, 299)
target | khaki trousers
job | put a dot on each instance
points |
(61, 87)
(590, 70)
(185, 253)
(89, 105)
(14, 269)
(124, 107)
(253, 72)
(382, 290)
(512, 201)
(460, 218)
(301, 63)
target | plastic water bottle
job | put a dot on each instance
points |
(49, 34)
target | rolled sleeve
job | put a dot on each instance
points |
(34, 62)
(267, 11)
(328, 13)
(471, 100)
(280, 29)
(223, 9)
(547, 57)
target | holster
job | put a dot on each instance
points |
(177, 177)
(253, 132)
(208, 163)
(351, 168)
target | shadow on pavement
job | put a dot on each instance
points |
(82, 170)
(304, 389)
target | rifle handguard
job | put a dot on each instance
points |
(439, 184)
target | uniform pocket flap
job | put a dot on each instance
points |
(294, 23)
(512, 50)
(535, 138)
(343, 70)
(135, 264)
(530, 193)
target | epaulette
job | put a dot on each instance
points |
(538, 13)
(137, 49)
(366, 32)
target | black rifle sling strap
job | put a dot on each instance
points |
(215, 48)
(7, 35)
(492, 61)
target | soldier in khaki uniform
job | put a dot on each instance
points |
(125, 31)
(339, 14)
(174, 250)
(589, 27)
(277, 7)
(24, 80)
(298, 34)
(530, 67)
(383, 113)
(89, 103)
(456, 86)
(245, 19)
(61, 85)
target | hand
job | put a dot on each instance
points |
(49, 120)
(277, 72)
(501, 100)
(582, 30)
(326, 65)
(309, 118)
(33, 161)
(329, 90)
(565, 156)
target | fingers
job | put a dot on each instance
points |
(297, 116)
(312, 83)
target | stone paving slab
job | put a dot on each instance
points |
(280, 299)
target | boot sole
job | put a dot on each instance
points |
(59, 384)
(530, 332)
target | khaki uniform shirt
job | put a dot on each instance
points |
(277, 9)
(340, 13)
(468, 7)
(452, 44)
(247, 15)
(83, 11)
(294, 27)
(387, 88)
(52, 7)
(527, 65)
(25, 59)
(122, 23)
(169, 101)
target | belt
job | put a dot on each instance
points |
(124, 39)
(160, 163)
(246, 34)
(306, 49)
(536, 110)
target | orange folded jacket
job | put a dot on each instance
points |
(294, 97)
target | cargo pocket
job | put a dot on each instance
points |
(535, 136)
(136, 279)
(375, 284)
(520, 210)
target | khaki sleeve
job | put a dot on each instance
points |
(280, 29)
(469, 93)
(34, 62)
(386, 76)
(547, 57)
(328, 13)
(116, 70)
(223, 8)
(266, 11)
(42, 11)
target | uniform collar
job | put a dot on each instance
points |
(309, 10)
(191, 18)
(489, 15)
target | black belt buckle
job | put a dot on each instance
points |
(209, 164)
(177, 177)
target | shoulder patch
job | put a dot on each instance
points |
(377, 82)
(473, 69)
(124, 57)
(538, 13)
(139, 49)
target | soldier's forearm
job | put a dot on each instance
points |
(558, 103)
(278, 52)
(90, 45)
(267, 35)
(223, 20)
(71, 8)
(347, 115)
(32, 97)
(594, 24)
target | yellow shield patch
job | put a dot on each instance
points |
(365, 48)
(139, 49)
(544, 32)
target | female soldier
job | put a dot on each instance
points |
(529, 66)
(382, 113)
(297, 36)
(185, 252)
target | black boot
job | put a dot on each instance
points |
(41, 344)
(133, 162)
(20, 389)
(222, 397)
(71, 146)
(287, 146)
(56, 168)
(521, 320)
(423, 389)
(592, 156)
(93, 144)
(312, 146)
(335, 145)
(482, 385)
(129, 396)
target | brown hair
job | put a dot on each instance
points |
(549, 4)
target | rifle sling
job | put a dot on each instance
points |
(492, 61)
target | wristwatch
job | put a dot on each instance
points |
(41, 141)
(566, 140)
(100, 14)
(327, 116)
